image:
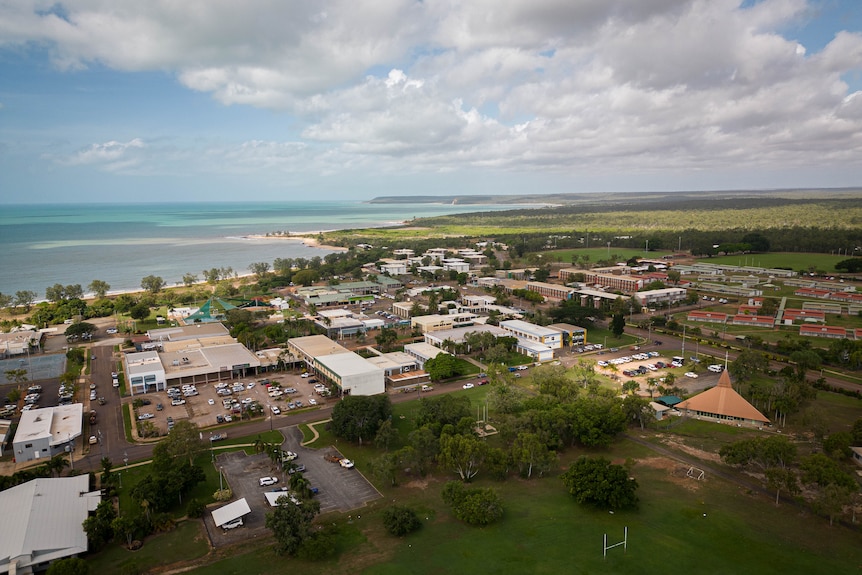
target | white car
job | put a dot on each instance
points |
(250, 385)
(267, 481)
(93, 440)
(111, 330)
(691, 374)
(304, 375)
(233, 523)
(312, 401)
(275, 410)
(176, 402)
(468, 386)
(144, 416)
(602, 363)
(211, 401)
(346, 463)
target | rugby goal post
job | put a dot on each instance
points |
(695, 473)
(624, 542)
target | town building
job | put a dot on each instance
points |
(46, 432)
(422, 352)
(437, 322)
(352, 373)
(723, 404)
(664, 296)
(831, 332)
(547, 336)
(43, 522)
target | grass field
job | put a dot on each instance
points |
(704, 527)
(794, 261)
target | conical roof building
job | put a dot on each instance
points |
(723, 403)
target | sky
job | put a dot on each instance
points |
(220, 100)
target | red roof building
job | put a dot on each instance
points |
(833, 332)
(708, 316)
(723, 403)
(755, 320)
(804, 315)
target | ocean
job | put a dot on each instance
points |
(43, 245)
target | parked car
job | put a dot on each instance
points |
(176, 402)
(145, 416)
(267, 481)
(691, 374)
(232, 524)
(111, 330)
(312, 401)
(298, 469)
(468, 386)
(346, 463)
(275, 410)
(159, 407)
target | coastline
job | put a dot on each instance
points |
(307, 238)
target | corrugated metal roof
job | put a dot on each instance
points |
(230, 512)
(42, 519)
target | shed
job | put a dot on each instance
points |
(231, 511)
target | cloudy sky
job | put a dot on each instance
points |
(122, 100)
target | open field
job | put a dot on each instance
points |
(707, 527)
(794, 261)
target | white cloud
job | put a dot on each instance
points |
(559, 85)
(110, 156)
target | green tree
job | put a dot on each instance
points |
(596, 481)
(423, 446)
(530, 453)
(183, 442)
(385, 467)
(99, 526)
(356, 416)
(400, 520)
(259, 269)
(386, 338)
(99, 288)
(462, 454)
(443, 410)
(69, 566)
(81, 329)
(618, 325)
(781, 478)
(291, 524)
(763, 452)
(152, 284)
(189, 279)
(444, 366)
(17, 376)
(475, 506)
(25, 298)
(386, 435)
(140, 311)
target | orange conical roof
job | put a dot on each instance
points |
(723, 400)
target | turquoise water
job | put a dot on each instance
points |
(121, 243)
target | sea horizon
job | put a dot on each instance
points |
(120, 243)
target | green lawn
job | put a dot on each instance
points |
(794, 261)
(186, 542)
(682, 524)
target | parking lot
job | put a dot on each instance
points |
(339, 489)
(204, 408)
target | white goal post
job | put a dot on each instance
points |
(695, 473)
(624, 542)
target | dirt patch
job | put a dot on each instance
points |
(699, 453)
(417, 484)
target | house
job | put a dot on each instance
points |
(723, 404)
(707, 316)
(42, 522)
(828, 331)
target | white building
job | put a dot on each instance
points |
(352, 373)
(422, 352)
(46, 432)
(549, 337)
(42, 522)
(664, 296)
(145, 372)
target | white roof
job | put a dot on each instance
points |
(272, 497)
(230, 512)
(42, 520)
(60, 423)
(527, 327)
(345, 364)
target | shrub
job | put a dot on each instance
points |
(400, 520)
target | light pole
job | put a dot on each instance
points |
(220, 471)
